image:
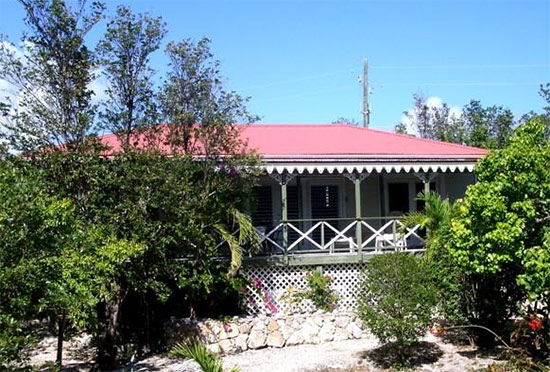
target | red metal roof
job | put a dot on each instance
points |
(343, 140)
(302, 141)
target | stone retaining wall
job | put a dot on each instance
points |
(243, 333)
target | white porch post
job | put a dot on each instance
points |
(426, 184)
(357, 178)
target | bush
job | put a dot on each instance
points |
(319, 291)
(396, 300)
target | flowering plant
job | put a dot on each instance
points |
(262, 293)
(533, 334)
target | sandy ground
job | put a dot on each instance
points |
(348, 356)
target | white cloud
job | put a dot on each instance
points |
(98, 86)
(434, 102)
(13, 94)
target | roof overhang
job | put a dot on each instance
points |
(303, 166)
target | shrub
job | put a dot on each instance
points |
(396, 300)
(319, 292)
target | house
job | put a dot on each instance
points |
(340, 190)
(332, 195)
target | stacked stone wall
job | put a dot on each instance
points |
(244, 333)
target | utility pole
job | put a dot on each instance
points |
(366, 110)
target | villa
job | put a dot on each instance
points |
(332, 195)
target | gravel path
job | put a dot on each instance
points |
(342, 356)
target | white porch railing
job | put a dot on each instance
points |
(339, 236)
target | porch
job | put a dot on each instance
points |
(322, 218)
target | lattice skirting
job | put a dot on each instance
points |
(271, 288)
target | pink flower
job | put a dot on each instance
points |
(271, 307)
(257, 283)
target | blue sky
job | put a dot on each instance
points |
(299, 60)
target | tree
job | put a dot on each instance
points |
(161, 204)
(51, 264)
(193, 94)
(125, 52)
(34, 228)
(501, 232)
(343, 120)
(487, 127)
(435, 122)
(52, 76)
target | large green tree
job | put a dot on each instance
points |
(193, 93)
(125, 53)
(435, 122)
(52, 265)
(488, 127)
(52, 76)
(501, 232)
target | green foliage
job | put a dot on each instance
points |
(487, 127)
(86, 239)
(433, 122)
(502, 223)
(193, 93)
(14, 340)
(125, 52)
(318, 291)
(51, 264)
(173, 208)
(396, 301)
(449, 280)
(52, 76)
(196, 350)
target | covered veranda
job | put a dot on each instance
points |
(346, 212)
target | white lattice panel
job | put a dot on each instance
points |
(270, 289)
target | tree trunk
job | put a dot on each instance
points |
(106, 345)
(60, 335)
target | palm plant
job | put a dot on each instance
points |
(247, 234)
(195, 349)
(435, 218)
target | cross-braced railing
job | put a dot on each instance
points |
(339, 236)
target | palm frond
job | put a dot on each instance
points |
(435, 218)
(195, 349)
(247, 232)
(234, 247)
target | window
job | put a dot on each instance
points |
(398, 198)
(262, 206)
